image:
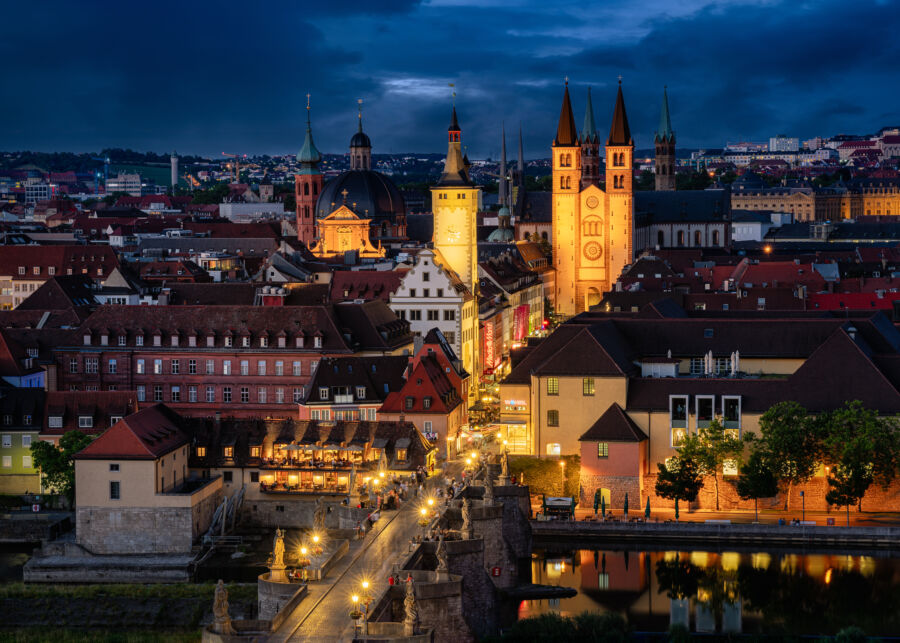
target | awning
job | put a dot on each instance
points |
(402, 443)
(354, 447)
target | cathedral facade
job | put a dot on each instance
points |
(592, 232)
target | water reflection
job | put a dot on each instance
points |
(761, 592)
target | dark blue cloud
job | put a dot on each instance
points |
(233, 76)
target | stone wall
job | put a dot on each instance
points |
(273, 596)
(487, 522)
(439, 603)
(134, 530)
(618, 486)
(479, 596)
(297, 513)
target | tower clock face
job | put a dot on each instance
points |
(593, 251)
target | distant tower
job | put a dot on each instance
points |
(503, 180)
(307, 185)
(590, 147)
(360, 147)
(173, 162)
(619, 178)
(455, 200)
(665, 149)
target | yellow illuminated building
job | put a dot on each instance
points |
(592, 227)
(341, 232)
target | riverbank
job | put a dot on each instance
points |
(692, 533)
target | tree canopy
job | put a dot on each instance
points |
(56, 464)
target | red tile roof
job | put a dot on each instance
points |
(349, 285)
(101, 406)
(428, 380)
(614, 426)
(146, 435)
(86, 260)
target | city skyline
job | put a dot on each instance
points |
(236, 81)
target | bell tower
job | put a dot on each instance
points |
(619, 191)
(566, 173)
(360, 147)
(664, 141)
(307, 185)
(590, 147)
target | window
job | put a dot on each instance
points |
(245, 367)
(227, 475)
(410, 401)
(704, 410)
(263, 342)
(115, 490)
(7, 441)
(678, 411)
(157, 367)
(254, 477)
(279, 396)
(114, 467)
(157, 393)
(210, 341)
(26, 462)
(297, 368)
(298, 395)
(426, 276)
(210, 367)
(7, 461)
(317, 342)
(401, 454)
(279, 368)
(141, 396)
(587, 386)
(226, 367)
(371, 415)
(261, 367)
(731, 412)
(552, 417)
(228, 341)
(192, 366)
(91, 364)
(112, 366)
(361, 392)
(261, 395)
(176, 393)
(85, 421)
(245, 341)
(254, 452)
(201, 452)
(229, 452)
(245, 394)
(139, 340)
(553, 448)
(210, 394)
(323, 392)
(697, 366)
(415, 315)
(176, 367)
(73, 365)
(552, 386)
(451, 337)
(157, 340)
(26, 441)
(433, 315)
(426, 402)
(449, 315)
(174, 340)
(603, 449)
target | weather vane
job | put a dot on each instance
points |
(307, 101)
(453, 93)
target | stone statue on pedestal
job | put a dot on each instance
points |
(467, 532)
(278, 550)
(504, 468)
(411, 621)
(319, 516)
(488, 487)
(442, 569)
(221, 619)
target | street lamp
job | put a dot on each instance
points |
(355, 613)
(562, 472)
(366, 599)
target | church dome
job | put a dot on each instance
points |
(360, 139)
(376, 197)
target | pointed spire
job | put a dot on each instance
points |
(308, 156)
(665, 123)
(455, 172)
(566, 134)
(619, 133)
(503, 178)
(454, 124)
(589, 131)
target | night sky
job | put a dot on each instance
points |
(206, 77)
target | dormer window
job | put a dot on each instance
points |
(104, 340)
(157, 340)
(323, 392)
(139, 340)
(300, 341)
(192, 341)
(87, 339)
(210, 341)
(361, 392)
(229, 452)
(85, 422)
(426, 402)
(317, 342)
(228, 341)
(174, 340)
(122, 340)
(245, 341)
(254, 452)
(401, 454)
(201, 452)
(282, 342)
(409, 402)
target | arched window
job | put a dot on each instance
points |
(681, 238)
(698, 239)
(562, 183)
(715, 237)
(306, 188)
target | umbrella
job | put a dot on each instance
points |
(292, 447)
(603, 505)
(597, 494)
(647, 509)
(625, 509)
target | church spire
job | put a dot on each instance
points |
(566, 133)
(619, 133)
(589, 131)
(308, 156)
(454, 166)
(360, 146)
(665, 123)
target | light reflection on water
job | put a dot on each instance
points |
(773, 592)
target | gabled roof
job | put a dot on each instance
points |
(348, 285)
(377, 375)
(100, 406)
(614, 426)
(146, 435)
(597, 350)
(428, 380)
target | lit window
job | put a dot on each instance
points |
(552, 386)
(587, 386)
(552, 417)
(603, 449)
(201, 452)
(229, 452)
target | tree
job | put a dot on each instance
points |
(679, 479)
(847, 485)
(710, 448)
(757, 480)
(792, 441)
(56, 464)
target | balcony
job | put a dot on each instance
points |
(343, 399)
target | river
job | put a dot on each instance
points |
(751, 592)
